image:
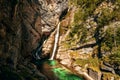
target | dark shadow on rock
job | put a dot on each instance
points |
(64, 12)
(84, 46)
(99, 39)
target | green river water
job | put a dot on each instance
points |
(52, 67)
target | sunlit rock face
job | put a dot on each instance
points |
(50, 13)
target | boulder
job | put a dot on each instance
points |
(94, 74)
(107, 69)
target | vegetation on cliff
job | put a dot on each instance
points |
(89, 37)
(96, 25)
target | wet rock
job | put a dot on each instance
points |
(48, 44)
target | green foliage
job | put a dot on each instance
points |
(108, 16)
(109, 38)
(92, 62)
(86, 3)
(74, 30)
(117, 36)
(115, 58)
(80, 32)
(107, 76)
(85, 8)
(112, 38)
(83, 35)
(79, 16)
(105, 18)
(116, 13)
(117, 1)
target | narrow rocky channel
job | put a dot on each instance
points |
(52, 68)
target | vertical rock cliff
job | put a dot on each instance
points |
(22, 25)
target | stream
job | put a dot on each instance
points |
(52, 68)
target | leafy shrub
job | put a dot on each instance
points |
(115, 58)
(105, 18)
(85, 8)
(112, 38)
(117, 38)
(109, 38)
(80, 31)
(92, 62)
(79, 16)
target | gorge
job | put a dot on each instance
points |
(59, 40)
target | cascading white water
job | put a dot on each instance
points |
(38, 50)
(56, 42)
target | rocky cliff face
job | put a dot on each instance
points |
(22, 25)
(90, 42)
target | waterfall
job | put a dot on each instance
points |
(37, 55)
(56, 42)
(37, 51)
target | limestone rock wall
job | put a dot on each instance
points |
(22, 24)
